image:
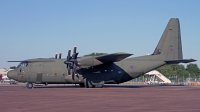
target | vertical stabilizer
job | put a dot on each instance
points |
(169, 46)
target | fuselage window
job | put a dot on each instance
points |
(119, 72)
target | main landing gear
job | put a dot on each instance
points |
(82, 85)
(29, 85)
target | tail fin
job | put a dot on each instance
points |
(169, 46)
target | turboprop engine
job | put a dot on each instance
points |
(88, 61)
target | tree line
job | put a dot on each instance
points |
(190, 70)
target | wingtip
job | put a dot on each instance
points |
(193, 60)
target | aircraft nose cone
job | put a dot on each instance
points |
(12, 74)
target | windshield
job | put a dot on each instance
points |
(23, 64)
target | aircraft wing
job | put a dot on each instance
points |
(15, 61)
(35, 60)
(114, 57)
(180, 61)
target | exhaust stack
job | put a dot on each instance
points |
(60, 54)
(56, 55)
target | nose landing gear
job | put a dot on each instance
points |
(29, 85)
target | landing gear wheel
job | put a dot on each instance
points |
(29, 85)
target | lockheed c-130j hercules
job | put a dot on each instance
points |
(95, 71)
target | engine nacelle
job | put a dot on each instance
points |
(88, 61)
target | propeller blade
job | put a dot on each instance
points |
(74, 56)
(75, 49)
(76, 63)
(67, 62)
(69, 54)
(69, 68)
(74, 69)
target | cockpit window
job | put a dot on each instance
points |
(23, 64)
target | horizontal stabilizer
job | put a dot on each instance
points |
(114, 57)
(180, 61)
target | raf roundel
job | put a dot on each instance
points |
(171, 49)
(131, 67)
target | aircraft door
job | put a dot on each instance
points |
(39, 77)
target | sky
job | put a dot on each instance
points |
(41, 28)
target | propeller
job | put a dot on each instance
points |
(68, 63)
(71, 61)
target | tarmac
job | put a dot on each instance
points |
(112, 98)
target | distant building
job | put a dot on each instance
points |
(0, 77)
(3, 70)
(3, 75)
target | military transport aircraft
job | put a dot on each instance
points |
(95, 71)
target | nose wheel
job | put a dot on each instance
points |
(29, 85)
